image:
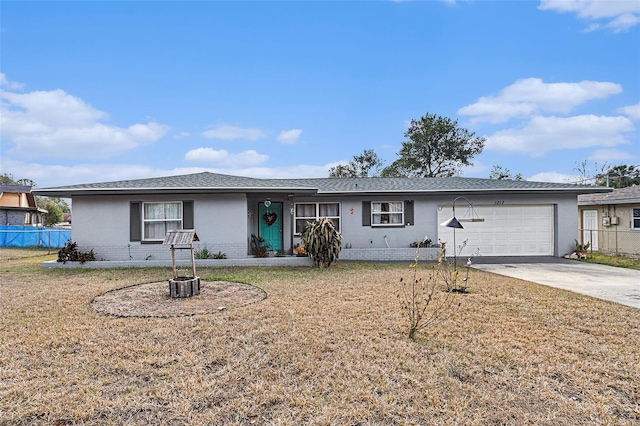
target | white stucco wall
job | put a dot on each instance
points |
(101, 223)
(223, 224)
(426, 218)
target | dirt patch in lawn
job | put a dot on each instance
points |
(153, 300)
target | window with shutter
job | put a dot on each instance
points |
(387, 213)
(158, 218)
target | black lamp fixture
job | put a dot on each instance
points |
(454, 223)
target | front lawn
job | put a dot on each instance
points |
(325, 347)
(617, 261)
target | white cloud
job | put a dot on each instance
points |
(477, 169)
(222, 157)
(56, 124)
(610, 155)
(554, 177)
(53, 108)
(48, 175)
(631, 111)
(618, 15)
(182, 135)
(12, 85)
(246, 158)
(206, 155)
(531, 96)
(289, 136)
(544, 134)
(227, 132)
(57, 175)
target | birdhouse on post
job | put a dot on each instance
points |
(185, 286)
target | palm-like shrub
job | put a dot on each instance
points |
(322, 241)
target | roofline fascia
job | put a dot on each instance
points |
(71, 192)
(609, 202)
(24, 209)
(465, 191)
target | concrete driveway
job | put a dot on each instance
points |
(618, 285)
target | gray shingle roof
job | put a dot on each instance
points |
(207, 182)
(15, 188)
(630, 195)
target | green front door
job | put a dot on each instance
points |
(270, 220)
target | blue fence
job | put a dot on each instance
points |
(27, 236)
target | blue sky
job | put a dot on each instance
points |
(99, 91)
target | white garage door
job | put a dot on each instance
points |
(506, 230)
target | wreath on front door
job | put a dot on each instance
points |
(270, 218)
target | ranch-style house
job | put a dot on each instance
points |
(379, 218)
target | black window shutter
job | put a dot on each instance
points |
(366, 213)
(135, 222)
(408, 213)
(187, 215)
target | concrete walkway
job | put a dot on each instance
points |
(618, 285)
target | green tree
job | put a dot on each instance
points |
(621, 176)
(500, 173)
(26, 182)
(366, 164)
(64, 207)
(435, 147)
(53, 215)
(7, 179)
(42, 202)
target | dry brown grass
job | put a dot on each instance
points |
(325, 347)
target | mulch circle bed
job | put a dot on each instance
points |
(153, 300)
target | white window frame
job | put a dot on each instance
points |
(381, 213)
(145, 221)
(635, 218)
(316, 216)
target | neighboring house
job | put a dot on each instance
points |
(18, 206)
(378, 217)
(611, 221)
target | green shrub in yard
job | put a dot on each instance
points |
(70, 253)
(219, 255)
(203, 253)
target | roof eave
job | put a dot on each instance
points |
(489, 191)
(299, 191)
(608, 202)
(71, 192)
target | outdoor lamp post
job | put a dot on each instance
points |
(454, 223)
